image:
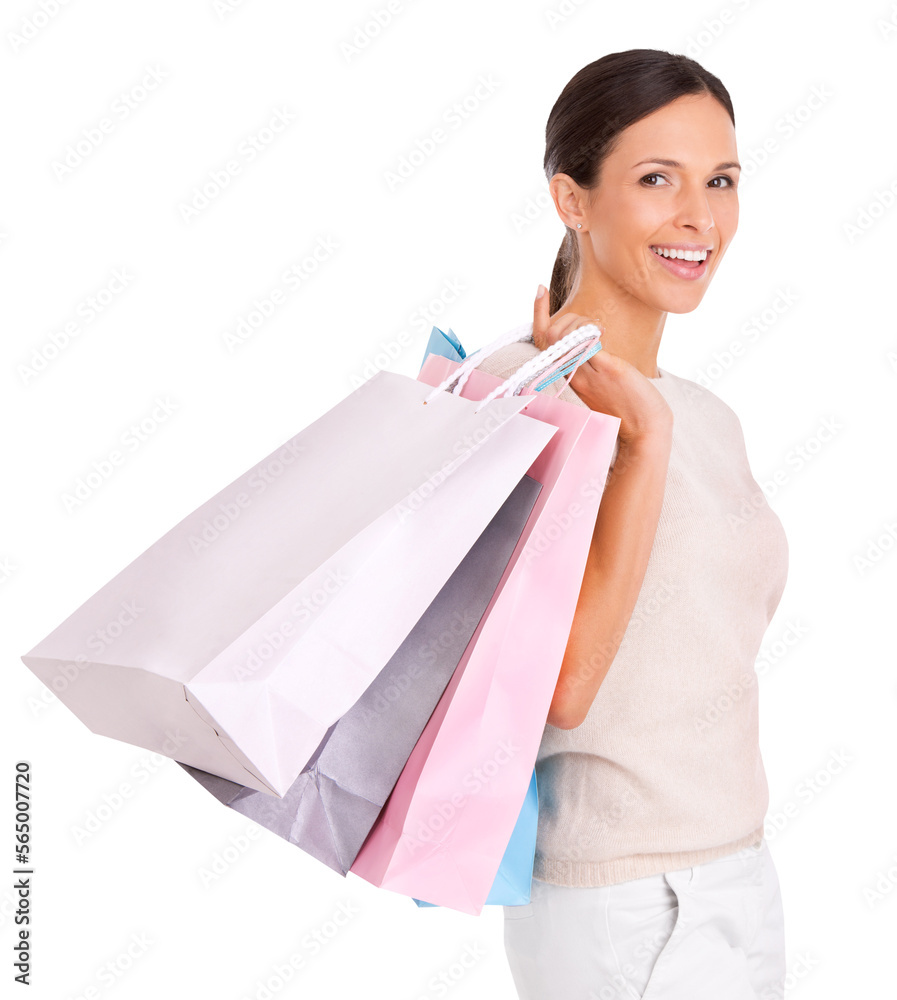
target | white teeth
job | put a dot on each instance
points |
(681, 254)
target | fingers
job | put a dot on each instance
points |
(541, 316)
(546, 333)
(564, 324)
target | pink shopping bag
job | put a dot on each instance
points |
(443, 831)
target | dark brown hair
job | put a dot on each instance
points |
(604, 98)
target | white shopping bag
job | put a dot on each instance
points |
(246, 631)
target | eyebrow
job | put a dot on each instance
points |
(676, 163)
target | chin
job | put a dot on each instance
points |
(680, 307)
(685, 301)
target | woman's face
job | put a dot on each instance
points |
(671, 180)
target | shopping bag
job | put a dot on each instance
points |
(236, 640)
(332, 805)
(444, 829)
(445, 345)
(514, 880)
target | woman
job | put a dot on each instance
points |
(652, 878)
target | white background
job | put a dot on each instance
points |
(828, 359)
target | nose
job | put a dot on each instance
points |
(693, 209)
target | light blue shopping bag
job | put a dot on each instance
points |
(444, 345)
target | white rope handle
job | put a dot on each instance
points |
(567, 364)
(545, 359)
(529, 369)
(461, 374)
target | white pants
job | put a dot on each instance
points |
(710, 932)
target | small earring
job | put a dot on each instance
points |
(579, 225)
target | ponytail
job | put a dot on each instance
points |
(564, 273)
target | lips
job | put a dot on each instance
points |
(689, 270)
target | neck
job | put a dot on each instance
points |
(632, 329)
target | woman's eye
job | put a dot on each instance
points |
(649, 180)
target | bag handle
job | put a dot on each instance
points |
(519, 333)
(558, 354)
(568, 363)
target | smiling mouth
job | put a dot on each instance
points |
(681, 256)
(681, 267)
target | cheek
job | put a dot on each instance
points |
(727, 219)
(621, 237)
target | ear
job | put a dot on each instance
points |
(569, 199)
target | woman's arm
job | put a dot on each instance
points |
(615, 569)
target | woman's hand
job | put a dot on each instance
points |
(606, 382)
